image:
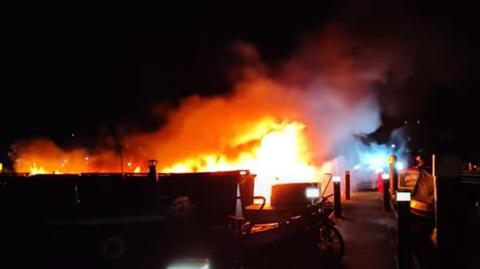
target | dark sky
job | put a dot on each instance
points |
(91, 68)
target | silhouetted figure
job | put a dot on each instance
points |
(393, 181)
(420, 163)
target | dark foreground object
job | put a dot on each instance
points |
(140, 221)
(114, 220)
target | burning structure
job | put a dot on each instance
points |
(291, 123)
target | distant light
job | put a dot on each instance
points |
(73, 134)
(189, 264)
(399, 166)
(418, 122)
(129, 164)
(403, 196)
(385, 176)
(356, 167)
(312, 192)
(405, 122)
(393, 146)
(86, 158)
(336, 178)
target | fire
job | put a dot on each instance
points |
(44, 157)
(276, 151)
(281, 156)
(137, 169)
(281, 123)
(35, 169)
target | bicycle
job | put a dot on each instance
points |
(313, 223)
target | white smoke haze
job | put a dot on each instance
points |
(329, 86)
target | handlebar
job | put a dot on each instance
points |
(330, 176)
(264, 200)
(260, 198)
(326, 197)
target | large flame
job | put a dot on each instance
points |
(35, 169)
(281, 156)
(44, 157)
(283, 125)
(277, 152)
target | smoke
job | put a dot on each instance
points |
(419, 44)
(330, 85)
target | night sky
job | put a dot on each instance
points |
(99, 69)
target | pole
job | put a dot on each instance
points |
(347, 185)
(336, 197)
(121, 161)
(435, 200)
(403, 207)
(386, 194)
(434, 175)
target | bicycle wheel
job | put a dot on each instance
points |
(329, 243)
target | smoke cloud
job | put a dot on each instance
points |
(330, 85)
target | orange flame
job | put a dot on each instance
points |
(137, 169)
(43, 156)
(281, 156)
(35, 169)
(282, 126)
(277, 152)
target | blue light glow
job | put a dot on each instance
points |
(375, 158)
